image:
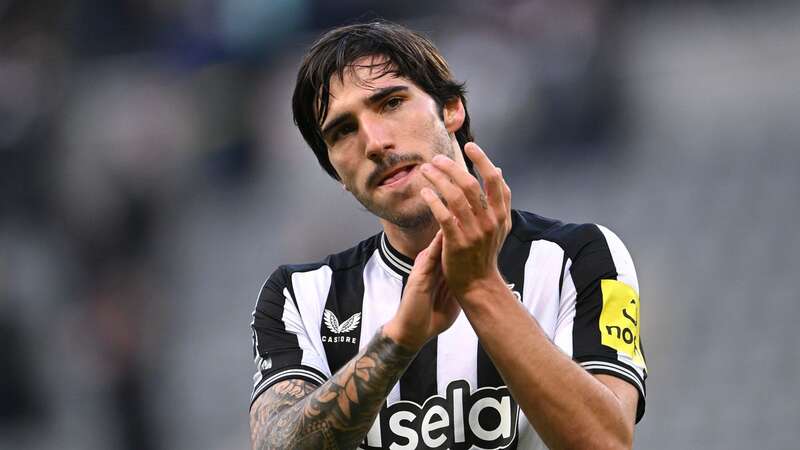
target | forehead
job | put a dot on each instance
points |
(362, 78)
(363, 73)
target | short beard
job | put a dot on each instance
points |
(418, 220)
(415, 220)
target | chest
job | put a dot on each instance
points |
(358, 303)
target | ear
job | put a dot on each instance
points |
(453, 115)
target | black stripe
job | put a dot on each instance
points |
(345, 299)
(271, 341)
(592, 262)
(511, 263)
(268, 325)
(419, 380)
(561, 275)
(261, 387)
(591, 259)
(296, 268)
(390, 256)
(640, 404)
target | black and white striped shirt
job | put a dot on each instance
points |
(578, 281)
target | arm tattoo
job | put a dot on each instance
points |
(336, 415)
(274, 400)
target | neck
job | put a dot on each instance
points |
(410, 241)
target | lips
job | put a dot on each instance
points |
(396, 175)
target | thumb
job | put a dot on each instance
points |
(427, 259)
(435, 247)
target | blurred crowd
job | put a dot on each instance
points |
(151, 178)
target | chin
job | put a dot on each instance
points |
(419, 217)
(410, 212)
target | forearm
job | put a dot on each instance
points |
(338, 414)
(568, 406)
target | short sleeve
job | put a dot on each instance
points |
(599, 322)
(282, 346)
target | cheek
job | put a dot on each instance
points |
(340, 165)
(422, 125)
(349, 177)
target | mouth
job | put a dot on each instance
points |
(396, 176)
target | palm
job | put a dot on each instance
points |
(428, 307)
(445, 306)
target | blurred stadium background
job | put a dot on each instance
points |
(151, 177)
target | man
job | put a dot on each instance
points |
(464, 324)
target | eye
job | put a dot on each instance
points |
(343, 131)
(393, 103)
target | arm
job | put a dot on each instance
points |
(292, 414)
(597, 412)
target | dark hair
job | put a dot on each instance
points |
(407, 54)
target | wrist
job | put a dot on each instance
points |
(395, 332)
(479, 289)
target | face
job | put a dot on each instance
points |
(379, 129)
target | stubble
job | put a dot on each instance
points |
(419, 217)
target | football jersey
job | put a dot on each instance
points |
(577, 280)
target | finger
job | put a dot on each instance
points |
(435, 248)
(452, 307)
(422, 261)
(506, 191)
(506, 199)
(445, 218)
(463, 179)
(493, 180)
(428, 259)
(454, 196)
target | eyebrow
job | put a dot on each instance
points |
(376, 97)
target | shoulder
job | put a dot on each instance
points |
(573, 238)
(352, 258)
(591, 250)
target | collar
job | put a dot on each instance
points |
(396, 261)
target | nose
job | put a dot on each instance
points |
(377, 138)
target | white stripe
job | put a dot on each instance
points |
(456, 354)
(542, 273)
(613, 368)
(291, 373)
(566, 312)
(311, 292)
(391, 270)
(394, 258)
(257, 378)
(401, 265)
(626, 272)
(253, 322)
(382, 288)
(619, 369)
(608, 364)
(629, 361)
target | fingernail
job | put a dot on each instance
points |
(425, 167)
